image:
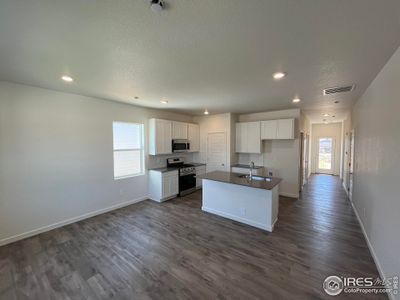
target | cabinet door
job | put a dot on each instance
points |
(174, 185)
(241, 137)
(179, 131)
(194, 137)
(285, 129)
(166, 187)
(167, 137)
(238, 147)
(253, 137)
(269, 130)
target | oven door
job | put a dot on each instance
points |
(187, 184)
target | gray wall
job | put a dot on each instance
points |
(376, 123)
(56, 157)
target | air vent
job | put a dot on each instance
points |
(340, 89)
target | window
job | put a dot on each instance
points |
(128, 150)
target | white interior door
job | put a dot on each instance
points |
(216, 152)
(325, 155)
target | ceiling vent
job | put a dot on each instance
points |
(340, 89)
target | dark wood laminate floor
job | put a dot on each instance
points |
(175, 251)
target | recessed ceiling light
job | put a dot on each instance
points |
(206, 112)
(136, 97)
(279, 75)
(67, 78)
(336, 102)
(333, 116)
(326, 115)
(296, 100)
(163, 101)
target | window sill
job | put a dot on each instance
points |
(129, 176)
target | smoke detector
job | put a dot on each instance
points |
(156, 5)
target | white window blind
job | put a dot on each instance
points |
(128, 149)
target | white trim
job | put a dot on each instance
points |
(371, 249)
(345, 188)
(290, 195)
(39, 230)
(239, 219)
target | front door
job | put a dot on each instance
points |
(325, 157)
(216, 152)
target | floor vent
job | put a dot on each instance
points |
(340, 89)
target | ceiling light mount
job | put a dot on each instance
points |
(296, 100)
(67, 78)
(156, 5)
(279, 75)
(164, 101)
(206, 112)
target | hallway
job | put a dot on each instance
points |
(174, 250)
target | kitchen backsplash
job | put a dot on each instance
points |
(160, 161)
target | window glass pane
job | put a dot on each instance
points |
(127, 136)
(127, 163)
(325, 154)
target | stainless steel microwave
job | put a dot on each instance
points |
(180, 146)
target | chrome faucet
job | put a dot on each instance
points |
(251, 169)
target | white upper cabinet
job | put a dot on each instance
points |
(248, 137)
(277, 129)
(179, 130)
(285, 129)
(194, 137)
(160, 137)
(269, 129)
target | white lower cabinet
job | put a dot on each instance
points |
(200, 170)
(163, 185)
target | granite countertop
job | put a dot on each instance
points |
(245, 166)
(196, 164)
(164, 169)
(234, 178)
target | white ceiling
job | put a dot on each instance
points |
(215, 54)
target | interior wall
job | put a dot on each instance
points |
(281, 157)
(376, 124)
(212, 124)
(56, 157)
(326, 130)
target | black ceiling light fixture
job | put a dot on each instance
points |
(156, 5)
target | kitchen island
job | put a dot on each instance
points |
(235, 196)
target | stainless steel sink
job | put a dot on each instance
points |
(255, 177)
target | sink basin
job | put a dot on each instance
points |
(256, 177)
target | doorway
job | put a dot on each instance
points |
(325, 155)
(216, 152)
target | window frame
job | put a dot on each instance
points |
(141, 149)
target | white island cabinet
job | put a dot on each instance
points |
(251, 202)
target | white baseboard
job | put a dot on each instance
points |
(39, 230)
(289, 195)
(239, 219)
(371, 249)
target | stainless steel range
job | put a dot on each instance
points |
(187, 175)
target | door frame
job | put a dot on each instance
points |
(333, 160)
